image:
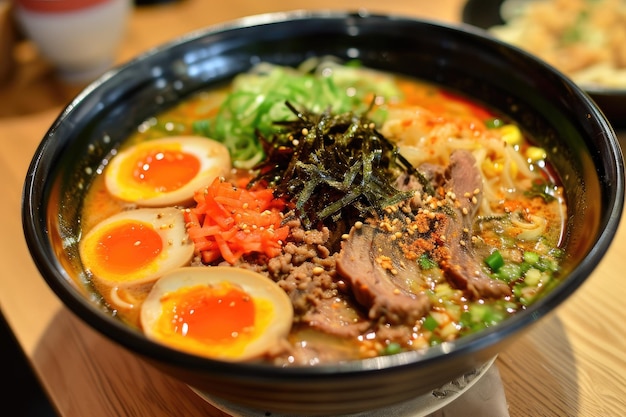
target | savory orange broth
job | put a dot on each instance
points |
(515, 234)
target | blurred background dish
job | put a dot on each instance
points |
(584, 40)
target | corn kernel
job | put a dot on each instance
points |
(511, 135)
(535, 153)
(492, 168)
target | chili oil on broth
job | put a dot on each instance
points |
(426, 126)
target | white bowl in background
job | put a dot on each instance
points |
(79, 37)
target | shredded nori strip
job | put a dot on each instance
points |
(333, 167)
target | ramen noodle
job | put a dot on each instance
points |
(337, 213)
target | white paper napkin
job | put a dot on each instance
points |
(485, 398)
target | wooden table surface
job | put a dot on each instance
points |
(571, 363)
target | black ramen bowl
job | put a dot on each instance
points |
(549, 107)
(485, 14)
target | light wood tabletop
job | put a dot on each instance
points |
(571, 363)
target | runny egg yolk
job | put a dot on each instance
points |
(215, 319)
(128, 246)
(136, 246)
(165, 170)
(224, 313)
(209, 313)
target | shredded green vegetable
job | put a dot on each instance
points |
(257, 101)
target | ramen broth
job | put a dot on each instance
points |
(461, 263)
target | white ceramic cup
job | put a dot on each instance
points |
(79, 37)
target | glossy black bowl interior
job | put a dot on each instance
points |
(560, 116)
(485, 14)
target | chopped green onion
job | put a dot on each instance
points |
(495, 261)
(494, 123)
(531, 257)
(392, 348)
(426, 263)
(545, 264)
(430, 323)
(435, 340)
(509, 272)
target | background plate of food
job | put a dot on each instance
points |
(586, 40)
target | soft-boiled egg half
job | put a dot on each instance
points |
(136, 246)
(166, 171)
(224, 313)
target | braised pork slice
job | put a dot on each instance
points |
(379, 276)
(464, 182)
(380, 264)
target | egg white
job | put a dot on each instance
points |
(275, 326)
(176, 248)
(214, 162)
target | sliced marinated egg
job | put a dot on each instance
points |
(167, 171)
(224, 313)
(136, 246)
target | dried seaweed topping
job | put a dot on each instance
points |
(333, 167)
